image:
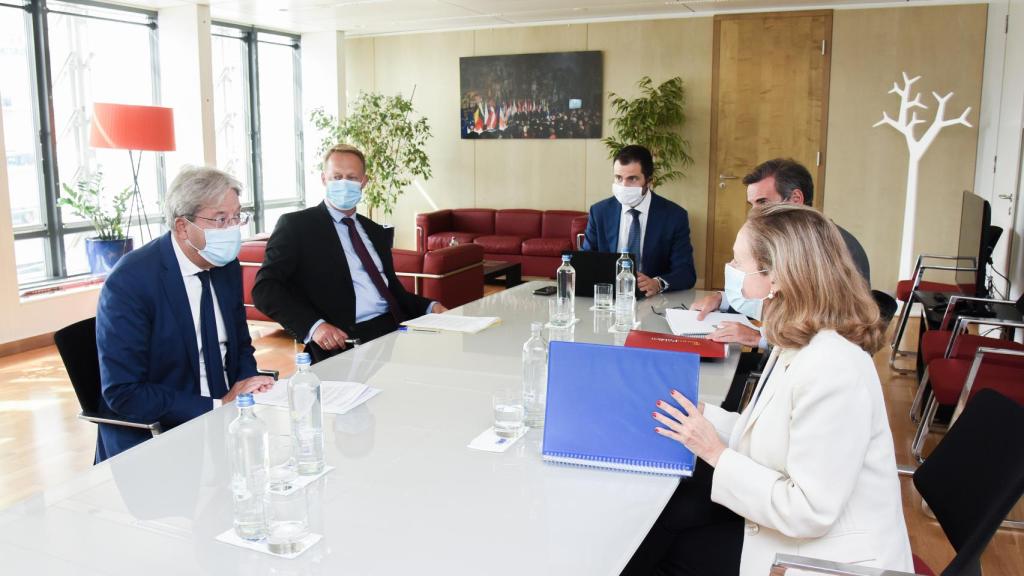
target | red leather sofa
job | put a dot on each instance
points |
(533, 238)
(452, 276)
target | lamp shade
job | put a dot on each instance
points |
(130, 127)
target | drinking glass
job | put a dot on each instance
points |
(508, 413)
(287, 521)
(283, 468)
(603, 297)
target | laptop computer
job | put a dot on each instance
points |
(596, 268)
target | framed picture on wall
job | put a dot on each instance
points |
(549, 96)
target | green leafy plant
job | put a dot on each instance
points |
(654, 120)
(393, 142)
(87, 199)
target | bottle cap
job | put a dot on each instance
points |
(245, 400)
(303, 358)
(566, 257)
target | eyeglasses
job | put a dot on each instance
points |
(224, 222)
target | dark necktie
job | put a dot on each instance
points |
(371, 270)
(211, 342)
(633, 238)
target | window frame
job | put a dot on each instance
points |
(52, 229)
(250, 36)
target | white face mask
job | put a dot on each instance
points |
(734, 280)
(628, 195)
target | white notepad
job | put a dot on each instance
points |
(451, 323)
(685, 323)
(336, 397)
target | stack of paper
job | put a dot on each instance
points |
(451, 323)
(685, 323)
(336, 397)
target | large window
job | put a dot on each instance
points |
(257, 113)
(56, 60)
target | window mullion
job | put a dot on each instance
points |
(56, 265)
(254, 132)
(300, 172)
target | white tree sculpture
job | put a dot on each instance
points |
(917, 148)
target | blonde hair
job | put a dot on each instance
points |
(817, 286)
(344, 149)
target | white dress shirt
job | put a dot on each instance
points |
(644, 207)
(194, 290)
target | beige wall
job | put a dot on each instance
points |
(565, 174)
(945, 44)
(867, 167)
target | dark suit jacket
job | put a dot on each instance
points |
(667, 249)
(149, 358)
(305, 276)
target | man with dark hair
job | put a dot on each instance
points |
(777, 180)
(636, 220)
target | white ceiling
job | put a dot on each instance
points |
(370, 17)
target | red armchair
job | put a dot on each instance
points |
(452, 276)
(533, 238)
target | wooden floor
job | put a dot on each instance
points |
(42, 443)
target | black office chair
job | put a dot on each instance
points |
(77, 347)
(886, 305)
(971, 481)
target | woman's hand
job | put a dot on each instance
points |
(691, 429)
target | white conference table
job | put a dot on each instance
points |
(406, 495)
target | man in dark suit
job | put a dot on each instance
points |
(170, 326)
(327, 275)
(638, 221)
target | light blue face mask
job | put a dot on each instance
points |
(222, 244)
(344, 194)
(734, 278)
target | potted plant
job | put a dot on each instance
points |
(87, 199)
(393, 142)
(654, 120)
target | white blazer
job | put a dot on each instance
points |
(810, 462)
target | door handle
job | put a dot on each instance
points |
(1006, 196)
(727, 177)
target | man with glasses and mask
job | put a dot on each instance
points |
(636, 220)
(170, 325)
(327, 275)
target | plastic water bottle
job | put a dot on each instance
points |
(250, 461)
(625, 298)
(535, 376)
(307, 417)
(623, 257)
(565, 280)
(453, 242)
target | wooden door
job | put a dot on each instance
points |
(769, 99)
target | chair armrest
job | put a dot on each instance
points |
(154, 427)
(275, 374)
(979, 356)
(955, 298)
(785, 561)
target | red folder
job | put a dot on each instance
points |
(701, 346)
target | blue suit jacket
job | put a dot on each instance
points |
(149, 359)
(667, 249)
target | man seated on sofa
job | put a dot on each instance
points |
(327, 275)
(638, 221)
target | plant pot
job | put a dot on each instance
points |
(103, 254)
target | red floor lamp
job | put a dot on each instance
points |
(133, 128)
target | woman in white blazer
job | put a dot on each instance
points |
(809, 464)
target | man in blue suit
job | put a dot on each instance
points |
(638, 221)
(170, 326)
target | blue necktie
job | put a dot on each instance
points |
(211, 342)
(633, 239)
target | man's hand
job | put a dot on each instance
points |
(648, 285)
(736, 332)
(254, 384)
(438, 308)
(329, 337)
(708, 304)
